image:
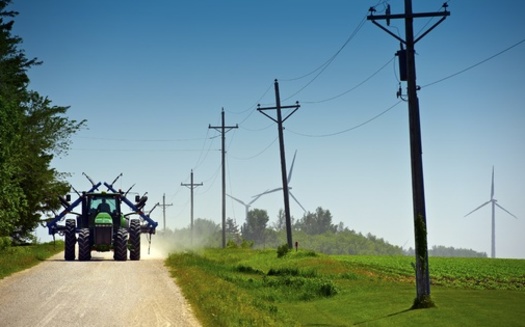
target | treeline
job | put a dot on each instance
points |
(314, 231)
(444, 251)
(32, 133)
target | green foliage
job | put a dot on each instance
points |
(315, 223)
(239, 287)
(282, 250)
(32, 132)
(5, 242)
(467, 273)
(254, 228)
(17, 258)
(341, 242)
(231, 244)
(245, 244)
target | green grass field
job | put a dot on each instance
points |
(17, 258)
(242, 287)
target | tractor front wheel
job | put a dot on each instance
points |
(134, 239)
(120, 247)
(70, 240)
(84, 248)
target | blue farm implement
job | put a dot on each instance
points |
(101, 225)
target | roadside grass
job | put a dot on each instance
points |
(18, 258)
(244, 287)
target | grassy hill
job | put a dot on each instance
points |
(244, 287)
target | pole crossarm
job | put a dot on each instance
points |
(388, 17)
(191, 186)
(280, 120)
(407, 61)
(294, 107)
(223, 129)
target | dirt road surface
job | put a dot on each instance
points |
(100, 292)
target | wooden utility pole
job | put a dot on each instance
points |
(164, 205)
(408, 73)
(191, 186)
(280, 120)
(223, 130)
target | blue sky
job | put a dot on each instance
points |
(150, 79)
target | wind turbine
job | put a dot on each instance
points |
(289, 188)
(246, 205)
(494, 204)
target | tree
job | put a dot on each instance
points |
(232, 230)
(32, 132)
(317, 222)
(280, 224)
(254, 227)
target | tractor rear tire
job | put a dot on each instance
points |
(134, 239)
(70, 240)
(120, 247)
(84, 247)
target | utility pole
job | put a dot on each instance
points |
(408, 72)
(191, 186)
(164, 205)
(223, 130)
(280, 120)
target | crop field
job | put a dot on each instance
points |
(469, 273)
(243, 287)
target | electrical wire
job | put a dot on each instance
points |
(212, 178)
(201, 159)
(361, 24)
(351, 128)
(331, 59)
(431, 19)
(354, 87)
(252, 106)
(258, 154)
(475, 65)
(137, 140)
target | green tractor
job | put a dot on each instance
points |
(102, 226)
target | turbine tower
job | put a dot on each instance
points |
(280, 188)
(494, 204)
(246, 205)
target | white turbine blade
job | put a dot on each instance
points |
(255, 197)
(492, 187)
(484, 204)
(506, 210)
(241, 202)
(267, 191)
(300, 205)
(291, 167)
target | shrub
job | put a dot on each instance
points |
(231, 244)
(5, 242)
(282, 250)
(247, 244)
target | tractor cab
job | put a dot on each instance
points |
(103, 208)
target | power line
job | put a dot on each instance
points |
(324, 65)
(354, 87)
(476, 64)
(426, 85)
(351, 128)
(256, 155)
(361, 24)
(137, 140)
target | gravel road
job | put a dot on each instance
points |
(100, 292)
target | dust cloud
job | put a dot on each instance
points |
(160, 245)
